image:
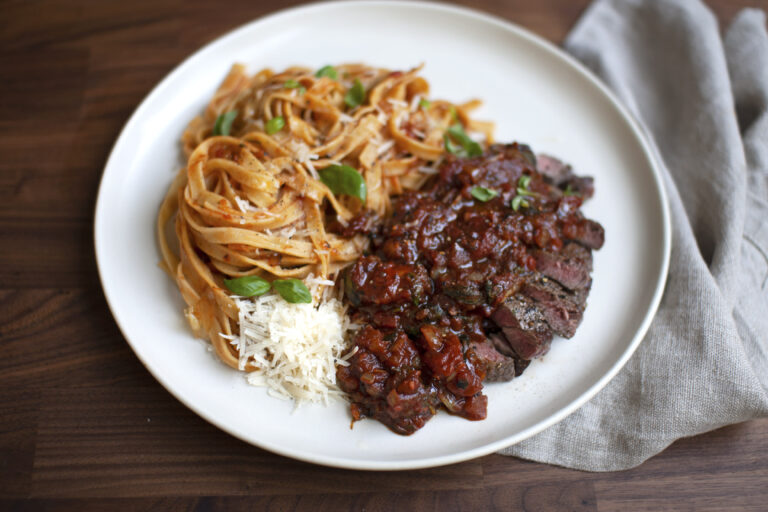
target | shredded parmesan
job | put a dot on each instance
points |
(385, 147)
(415, 102)
(295, 347)
(397, 103)
(311, 168)
(242, 204)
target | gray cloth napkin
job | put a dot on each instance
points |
(703, 101)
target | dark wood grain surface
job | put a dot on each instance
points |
(83, 426)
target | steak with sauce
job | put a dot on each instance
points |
(463, 287)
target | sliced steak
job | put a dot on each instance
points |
(524, 326)
(583, 186)
(498, 367)
(561, 308)
(570, 266)
(588, 233)
(561, 175)
(553, 170)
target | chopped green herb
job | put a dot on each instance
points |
(224, 123)
(424, 103)
(518, 201)
(343, 179)
(355, 95)
(293, 84)
(247, 286)
(275, 124)
(523, 193)
(569, 191)
(292, 290)
(454, 114)
(327, 71)
(469, 147)
(483, 194)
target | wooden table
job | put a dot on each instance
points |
(84, 426)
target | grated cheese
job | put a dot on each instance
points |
(397, 103)
(415, 102)
(385, 147)
(242, 204)
(346, 118)
(296, 347)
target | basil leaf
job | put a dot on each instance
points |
(469, 147)
(247, 286)
(483, 194)
(293, 84)
(224, 123)
(292, 290)
(355, 95)
(327, 71)
(343, 179)
(424, 103)
(524, 181)
(449, 147)
(275, 124)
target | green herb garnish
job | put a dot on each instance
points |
(224, 123)
(355, 95)
(523, 193)
(327, 71)
(275, 124)
(569, 191)
(518, 201)
(293, 84)
(247, 286)
(469, 148)
(424, 103)
(483, 194)
(292, 290)
(343, 179)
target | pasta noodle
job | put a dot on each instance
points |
(250, 202)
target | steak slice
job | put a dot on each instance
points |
(588, 233)
(561, 175)
(524, 326)
(570, 266)
(553, 170)
(561, 308)
(498, 367)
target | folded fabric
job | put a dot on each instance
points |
(703, 102)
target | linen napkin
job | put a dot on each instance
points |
(703, 101)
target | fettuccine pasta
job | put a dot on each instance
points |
(250, 201)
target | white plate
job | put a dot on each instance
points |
(534, 93)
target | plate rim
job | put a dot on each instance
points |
(390, 465)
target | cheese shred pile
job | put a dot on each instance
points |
(294, 348)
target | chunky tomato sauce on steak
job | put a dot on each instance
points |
(466, 282)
